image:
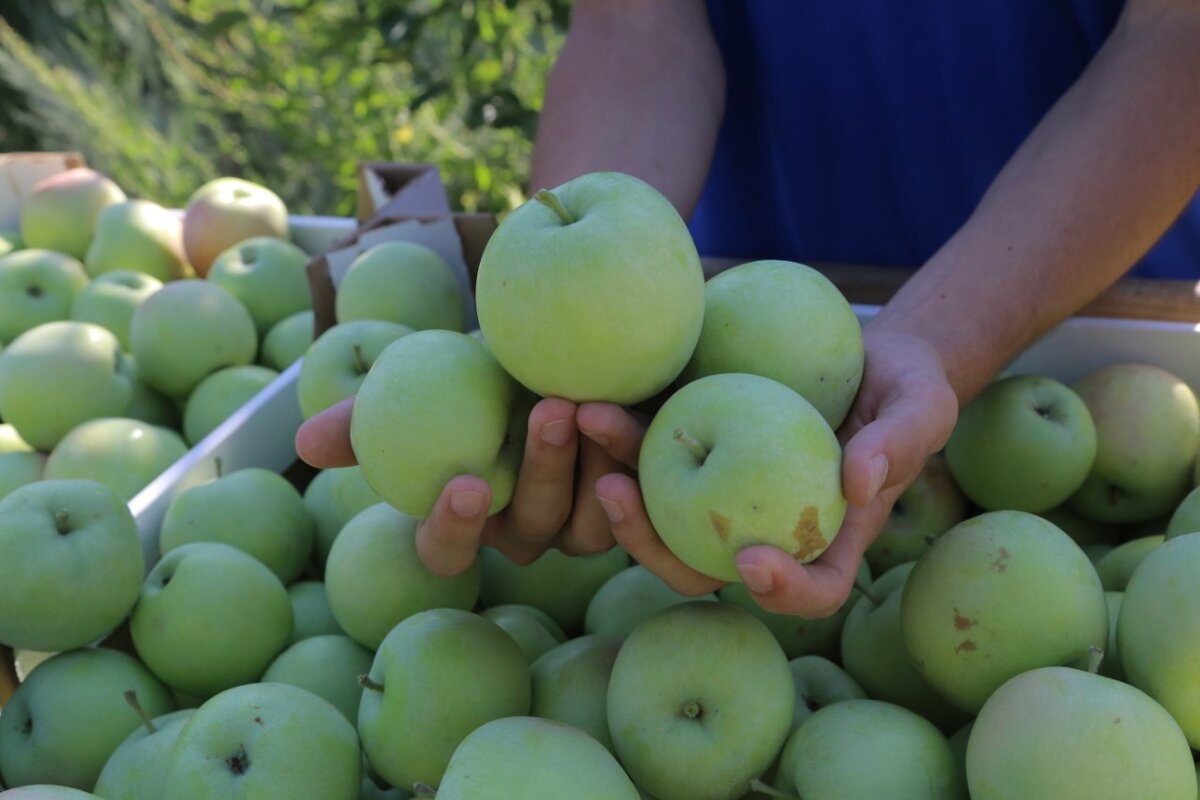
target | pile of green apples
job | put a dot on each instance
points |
(1026, 626)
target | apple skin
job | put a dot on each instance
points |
(327, 666)
(1186, 518)
(187, 330)
(287, 341)
(629, 598)
(435, 405)
(684, 720)
(337, 362)
(36, 287)
(19, 469)
(402, 282)
(136, 769)
(531, 757)
(1026, 443)
(771, 473)
(1147, 433)
(570, 685)
(126, 454)
(267, 276)
(210, 617)
(617, 292)
(374, 578)
(470, 672)
(333, 498)
(265, 740)
(60, 591)
(1110, 666)
(1158, 633)
(46, 792)
(930, 506)
(1117, 567)
(534, 631)
(1000, 594)
(219, 395)
(145, 402)
(110, 300)
(819, 683)
(226, 211)
(60, 213)
(62, 724)
(1067, 734)
(311, 614)
(138, 234)
(11, 441)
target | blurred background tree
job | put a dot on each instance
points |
(163, 95)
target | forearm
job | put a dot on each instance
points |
(638, 88)
(1089, 192)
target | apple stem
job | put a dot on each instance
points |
(698, 450)
(930, 539)
(218, 466)
(62, 521)
(758, 786)
(1095, 657)
(366, 682)
(867, 593)
(550, 201)
(132, 698)
(423, 790)
(360, 363)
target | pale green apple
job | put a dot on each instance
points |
(255, 510)
(337, 362)
(1117, 566)
(210, 617)
(402, 282)
(534, 631)
(267, 275)
(592, 291)
(1067, 734)
(264, 741)
(685, 720)
(110, 300)
(10, 241)
(46, 792)
(226, 211)
(136, 769)
(784, 321)
(333, 498)
(311, 614)
(958, 746)
(219, 395)
(138, 235)
(435, 405)
(570, 685)
(125, 454)
(287, 341)
(19, 469)
(147, 403)
(1158, 630)
(62, 724)
(11, 441)
(819, 683)
(36, 287)
(930, 506)
(530, 757)
(374, 578)
(187, 330)
(627, 599)
(1186, 518)
(327, 666)
(469, 672)
(70, 564)
(1000, 594)
(60, 213)
(1147, 432)
(731, 461)
(1083, 530)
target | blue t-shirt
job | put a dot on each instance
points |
(866, 131)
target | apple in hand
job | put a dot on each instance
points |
(110, 300)
(218, 396)
(36, 287)
(930, 506)
(267, 275)
(226, 211)
(126, 454)
(138, 235)
(592, 291)
(819, 683)
(137, 768)
(334, 497)
(311, 614)
(402, 282)
(337, 362)
(570, 685)
(627, 599)
(60, 213)
(534, 631)
(327, 666)
(287, 341)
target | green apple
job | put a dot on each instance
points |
(62, 724)
(311, 614)
(402, 282)
(1158, 630)
(265, 740)
(563, 586)
(819, 683)
(1110, 666)
(930, 506)
(210, 617)
(147, 403)
(255, 510)
(1148, 432)
(11, 441)
(10, 241)
(534, 631)
(1095, 552)
(570, 685)
(627, 599)
(327, 666)
(1117, 567)
(373, 789)
(110, 300)
(337, 362)
(435, 405)
(469, 672)
(70, 564)
(136, 769)
(784, 321)
(1000, 594)
(226, 211)
(530, 757)
(958, 746)
(608, 270)
(1083, 530)
(1067, 734)
(267, 275)
(333, 498)
(1026, 443)
(36, 287)
(60, 213)
(19, 469)
(219, 395)
(868, 749)
(1186, 518)
(46, 792)
(125, 454)
(139, 235)
(287, 341)
(374, 578)
(731, 461)
(685, 721)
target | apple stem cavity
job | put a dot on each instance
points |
(550, 201)
(1095, 657)
(132, 698)
(62, 521)
(365, 682)
(867, 593)
(698, 450)
(758, 786)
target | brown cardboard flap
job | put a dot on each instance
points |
(396, 189)
(18, 174)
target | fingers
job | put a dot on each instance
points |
(449, 539)
(545, 487)
(614, 429)
(324, 440)
(589, 531)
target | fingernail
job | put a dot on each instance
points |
(598, 438)
(757, 579)
(613, 510)
(466, 504)
(556, 433)
(879, 473)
